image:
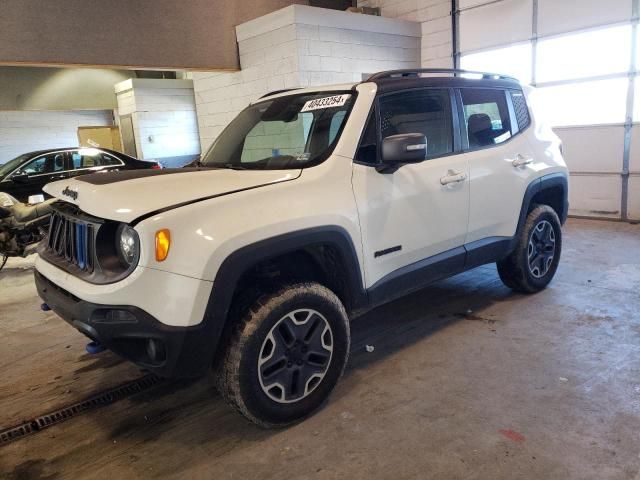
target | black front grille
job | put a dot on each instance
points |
(72, 239)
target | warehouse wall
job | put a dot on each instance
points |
(26, 131)
(31, 88)
(434, 17)
(164, 118)
(300, 46)
(43, 107)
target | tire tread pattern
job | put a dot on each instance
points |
(226, 371)
(514, 270)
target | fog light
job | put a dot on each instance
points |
(119, 316)
(155, 350)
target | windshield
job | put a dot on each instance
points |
(11, 165)
(295, 131)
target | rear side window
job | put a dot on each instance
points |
(486, 115)
(89, 158)
(520, 108)
(419, 111)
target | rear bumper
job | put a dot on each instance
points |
(168, 351)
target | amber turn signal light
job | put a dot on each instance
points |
(163, 242)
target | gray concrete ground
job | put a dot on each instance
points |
(467, 380)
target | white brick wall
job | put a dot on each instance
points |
(164, 117)
(26, 131)
(301, 46)
(435, 19)
(337, 55)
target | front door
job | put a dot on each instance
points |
(413, 220)
(36, 173)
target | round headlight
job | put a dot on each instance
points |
(127, 239)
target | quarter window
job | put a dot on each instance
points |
(419, 111)
(486, 116)
(368, 150)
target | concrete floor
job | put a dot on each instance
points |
(467, 380)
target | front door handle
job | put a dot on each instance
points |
(453, 177)
(521, 160)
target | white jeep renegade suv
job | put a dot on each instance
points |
(311, 207)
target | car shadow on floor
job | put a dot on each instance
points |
(194, 405)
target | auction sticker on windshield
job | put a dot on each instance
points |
(325, 102)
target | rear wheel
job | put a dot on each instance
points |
(285, 355)
(534, 261)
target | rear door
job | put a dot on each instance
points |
(501, 161)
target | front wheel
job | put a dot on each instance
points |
(534, 261)
(285, 355)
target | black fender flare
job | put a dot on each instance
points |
(241, 260)
(546, 182)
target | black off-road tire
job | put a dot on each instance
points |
(237, 374)
(515, 270)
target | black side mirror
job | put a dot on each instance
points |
(400, 149)
(20, 177)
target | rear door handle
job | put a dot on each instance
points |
(453, 177)
(521, 160)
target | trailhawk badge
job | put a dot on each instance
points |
(70, 193)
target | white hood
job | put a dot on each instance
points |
(127, 195)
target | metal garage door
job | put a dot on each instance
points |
(583, 56)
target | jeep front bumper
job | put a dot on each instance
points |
(131, 332)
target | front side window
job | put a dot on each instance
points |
(54, 162)
(486, 115)
(11, 165)
(419, 111)
(294, 131)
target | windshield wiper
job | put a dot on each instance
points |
(233, 166)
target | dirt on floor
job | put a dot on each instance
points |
(466, 380)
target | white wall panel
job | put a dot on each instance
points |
(595, 195)
(633, 208)
(26, 131)
(634, 154)
(463, 4)
(593, 149)
(501, 23)
(557, 16)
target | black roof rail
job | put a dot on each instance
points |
(415, 72)
(275, 92)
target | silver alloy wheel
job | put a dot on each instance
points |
(295, 356)
(541, 249)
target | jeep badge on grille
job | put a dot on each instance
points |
(70, 193)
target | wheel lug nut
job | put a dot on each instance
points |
(289, 364)
(299, 362)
